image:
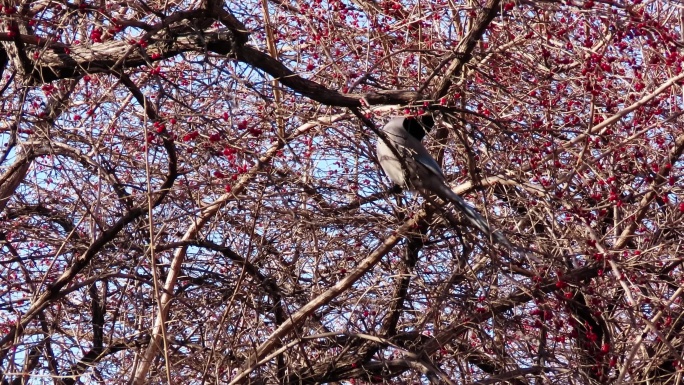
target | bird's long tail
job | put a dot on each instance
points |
(474, 218)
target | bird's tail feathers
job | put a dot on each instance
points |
(472, 215)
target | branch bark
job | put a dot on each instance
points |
(464, 51)
(60, 61)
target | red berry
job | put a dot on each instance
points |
(190, 136)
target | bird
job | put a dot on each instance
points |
(409, 165)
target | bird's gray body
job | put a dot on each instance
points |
(419, 170)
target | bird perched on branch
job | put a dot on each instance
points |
(408, 164)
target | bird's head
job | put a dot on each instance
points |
(419, 126)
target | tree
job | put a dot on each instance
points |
(189, 192)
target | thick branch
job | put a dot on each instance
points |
(344, 284)
(65, 62)
(465, 49)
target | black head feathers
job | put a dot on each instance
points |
(419, 126)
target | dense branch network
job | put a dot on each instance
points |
(189, 194)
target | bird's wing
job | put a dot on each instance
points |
(422, 156)
(430, 163)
